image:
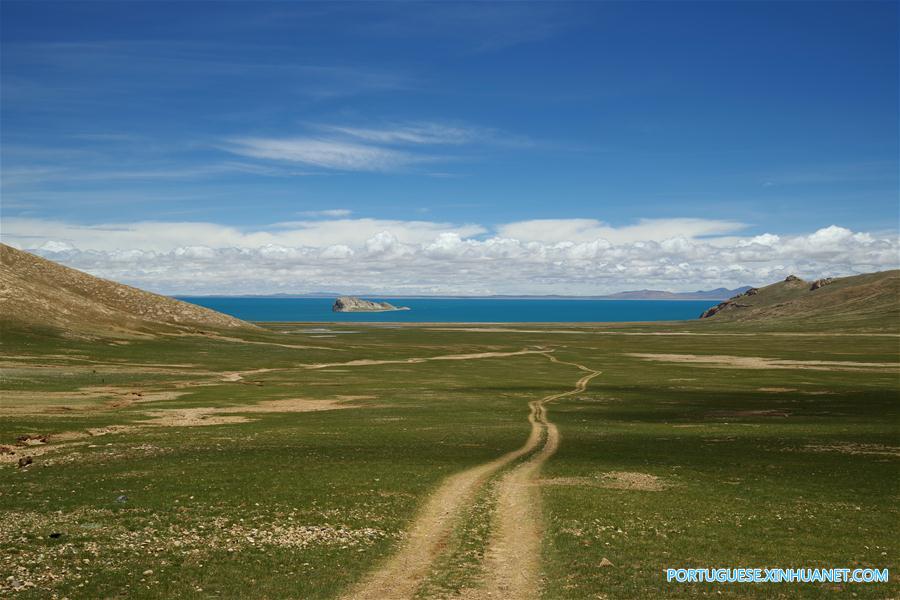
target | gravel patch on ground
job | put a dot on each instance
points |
(615, 480)
(626, 480)
(42, 551)
(859, 449)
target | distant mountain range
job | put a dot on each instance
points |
(716, 294)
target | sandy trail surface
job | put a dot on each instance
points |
(401, 576)
(408, 361)
(237, 340)
(514, 558)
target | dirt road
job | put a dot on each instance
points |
(513, 559)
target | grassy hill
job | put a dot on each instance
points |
(867, 302)
(38, 292)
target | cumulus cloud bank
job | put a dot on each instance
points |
(562, 256)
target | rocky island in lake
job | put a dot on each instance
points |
(354, 304)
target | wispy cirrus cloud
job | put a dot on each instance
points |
(872, 171)
(15, 176)
(324, 153)
(482, 27)
(414, 133)
(390, 147)
(586, 230)
(329, 212)
(129, 158)
(100, 72)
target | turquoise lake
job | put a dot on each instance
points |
(458, 310)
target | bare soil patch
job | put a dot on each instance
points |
(190, 417)
(785, 390)
(569, 481)
(29, 402)
(224, 415)
(612, 481)
(759, 362)
(38, 445)
(12, 454)
(749, 413)
(628, 480)
(238, 376)
(414, 360)
(857, 449)
(237, 340)
(506, 330)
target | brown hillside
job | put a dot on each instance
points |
(870, 301)
(40, 292)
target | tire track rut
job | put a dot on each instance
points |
(513, 559)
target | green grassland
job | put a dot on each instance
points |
(731, 464)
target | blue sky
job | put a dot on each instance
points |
(544, 123)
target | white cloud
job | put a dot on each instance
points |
(161, 236)
(331, 212)
(30, 175)
(337, 252)
(413, 133)
(324, 153)
(372, 255)
(585, 230)
(54, 246)
(390, 147)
